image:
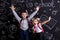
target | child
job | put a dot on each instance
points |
(24, 22)
(37, 28)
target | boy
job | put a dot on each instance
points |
(23, 22)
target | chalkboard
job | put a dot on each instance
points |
(8, 23)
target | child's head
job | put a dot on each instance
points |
(24, 14)
(35, 21)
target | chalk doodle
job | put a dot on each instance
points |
(54, 12)
(50, 4)
(51, 24)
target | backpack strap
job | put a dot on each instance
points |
(35, 28)
(20, 20)
(40, 28)
(27, 21)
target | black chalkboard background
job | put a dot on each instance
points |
(9, 29)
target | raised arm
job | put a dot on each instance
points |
(34, 13)
(46, 21)
(15, 14)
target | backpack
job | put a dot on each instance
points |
(29, 24)
(39, 28)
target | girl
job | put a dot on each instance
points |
(37, 28)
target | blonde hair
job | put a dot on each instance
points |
(35, 19)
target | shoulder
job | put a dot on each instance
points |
(40, 24)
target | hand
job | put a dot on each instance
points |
(12, 7)
(49, 18)
(33, 31)
(37, 8)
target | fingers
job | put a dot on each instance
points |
(12, 7)
(49, 18)
(37, 8)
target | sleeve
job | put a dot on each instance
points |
(16, 16)
(32, 15)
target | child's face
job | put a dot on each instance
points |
(24, 15)
(35, 21)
